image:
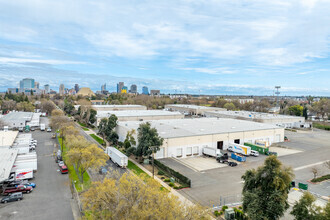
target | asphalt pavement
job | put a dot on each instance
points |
(51, 199)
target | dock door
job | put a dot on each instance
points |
(220, 145)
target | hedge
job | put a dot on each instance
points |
(179, 176)
(320, 126)
(321, 178)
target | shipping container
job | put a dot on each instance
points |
(260, 149)
(117, 157)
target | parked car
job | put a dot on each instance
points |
(32, 129)
(54, 135)
(232, 164)
(19, 188)
(61, 163)
(254, 153)
(33, 185)
(13, 197)
(49, 130)
(16, 183)
(64, 169)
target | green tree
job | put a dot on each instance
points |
(111, 135)
(102, 128)
(266, 189)
(148, 142)
(92, 116)
(304, 208)
(296, 110)
(130, 142)
(229, 106)
(305, 112)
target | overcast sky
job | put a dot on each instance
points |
(187, 46)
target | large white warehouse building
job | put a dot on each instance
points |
(187, 137)
(191, 109)
(138, 115)
(285, 121)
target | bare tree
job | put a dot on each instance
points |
(327, 164)
(47, 106)
(315, 172)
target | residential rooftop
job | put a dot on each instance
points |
(199, 126)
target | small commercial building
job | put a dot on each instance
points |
(118, 107)
(187, 137)
(21, 119)
(138, 115)
(191, 109)
(285, 121)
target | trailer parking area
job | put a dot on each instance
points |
(51, 199)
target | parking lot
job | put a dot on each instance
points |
(304, 151)
(51, 199)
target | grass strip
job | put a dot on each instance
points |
(98, 139)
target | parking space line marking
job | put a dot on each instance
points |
(310, 165)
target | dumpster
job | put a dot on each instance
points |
(238, 157)
(260, 149)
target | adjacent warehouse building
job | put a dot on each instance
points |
(285, 121)
(187, 137)
(192, 109)
(21, 119)
(138, 115)
(118, 107)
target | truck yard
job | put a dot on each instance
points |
(211, 179)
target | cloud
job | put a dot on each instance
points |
(213, 71)
(6, 60)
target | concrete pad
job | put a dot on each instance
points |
(284, 151)
(201, 163)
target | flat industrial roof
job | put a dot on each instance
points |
(191, 106)
(136, 113)
(199, 126)
(7, 138)
(7, 160)
(253, 115)
(15, 116)
(117, 106)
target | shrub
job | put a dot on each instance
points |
(162, 177)
(176, 187)
(171, 184)
(221, 212)
(216, 213)
(167, 180)
(320, 179)
(183, 179)
(160, 172)
(224, 207)
(240, 207)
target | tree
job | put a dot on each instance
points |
(315, 172)
(83, 157)
(230, 106)
(102, 128)
(92, 116)
(296, 110)
(112, 136)
(131, 198)
(25, 106)
(129, 143)
(266, 189)
(47, 106)
(59, 121)
(148, 142)
(305, 112)
(305, 209)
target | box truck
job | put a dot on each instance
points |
(213, 152)
(117, 157)
(240, 149)
(42, 127)
(21, 174)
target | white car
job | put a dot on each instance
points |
(49, 130)
(61, 163)
(254, 153)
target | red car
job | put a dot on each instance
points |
(64, 169)
(19, 188)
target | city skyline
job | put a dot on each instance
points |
(195, 47)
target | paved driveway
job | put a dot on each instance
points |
(51, 199)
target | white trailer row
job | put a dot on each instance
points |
(213, 152)
(117, 157)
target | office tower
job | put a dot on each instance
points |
(145, 90)
(36, 85)
(76, 87)
(124, 89)
(62, 89)
(133, 88)
(26, 83)
(47, 90)
(103, 87)
(120, 86)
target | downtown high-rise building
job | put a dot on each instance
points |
(133, 88)
(103, 87)
(36, 85)
(145, 90)
(76, 88)
(62, 89)
(120, 86)
(26, 84)
(47, 89)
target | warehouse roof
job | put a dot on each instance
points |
(136, 113)
(199, 126)
(117, 106)
(191, 106)
(7, 138)
(7, 159)
(253, 115)
(17, 119)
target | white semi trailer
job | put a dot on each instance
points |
(117, 157)
(241, 149)
(213, 152)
